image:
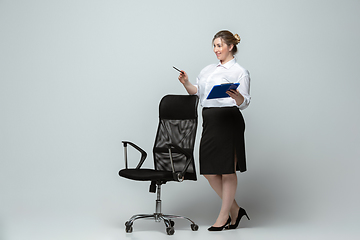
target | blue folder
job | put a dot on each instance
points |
(219, 91)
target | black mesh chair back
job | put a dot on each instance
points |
(177, 126)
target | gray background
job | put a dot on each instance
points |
(77, 77)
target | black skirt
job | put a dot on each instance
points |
(222, 139)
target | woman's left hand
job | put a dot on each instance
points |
(236, 95)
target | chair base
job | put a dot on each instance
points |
(158, 217)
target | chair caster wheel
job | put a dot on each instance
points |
(172, 223)
(170, 231)
(194, 227)
(128, 229)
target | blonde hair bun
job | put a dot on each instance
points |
(238, 39)
(229, 39)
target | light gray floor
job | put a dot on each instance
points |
(76, 227)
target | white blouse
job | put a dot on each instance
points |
(215, 74)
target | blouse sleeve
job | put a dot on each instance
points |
(244, 89)
(197, 86)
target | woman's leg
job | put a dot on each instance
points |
(225, 186)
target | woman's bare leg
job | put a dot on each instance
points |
(225, 186)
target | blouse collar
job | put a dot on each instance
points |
(227, 65)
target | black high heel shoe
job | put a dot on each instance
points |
(213, 229)
(241, 213)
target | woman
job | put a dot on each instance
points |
(222, 147)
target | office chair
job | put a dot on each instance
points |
(172, 155)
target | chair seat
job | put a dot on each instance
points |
(146, 174)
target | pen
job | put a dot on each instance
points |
(177, 69)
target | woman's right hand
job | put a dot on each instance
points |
(183, 77)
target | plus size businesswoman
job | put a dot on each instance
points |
(222, 146)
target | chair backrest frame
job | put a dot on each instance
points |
(178, 120)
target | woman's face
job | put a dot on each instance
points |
(222, 51)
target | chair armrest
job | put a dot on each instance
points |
(179, 176)
(143, 153)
